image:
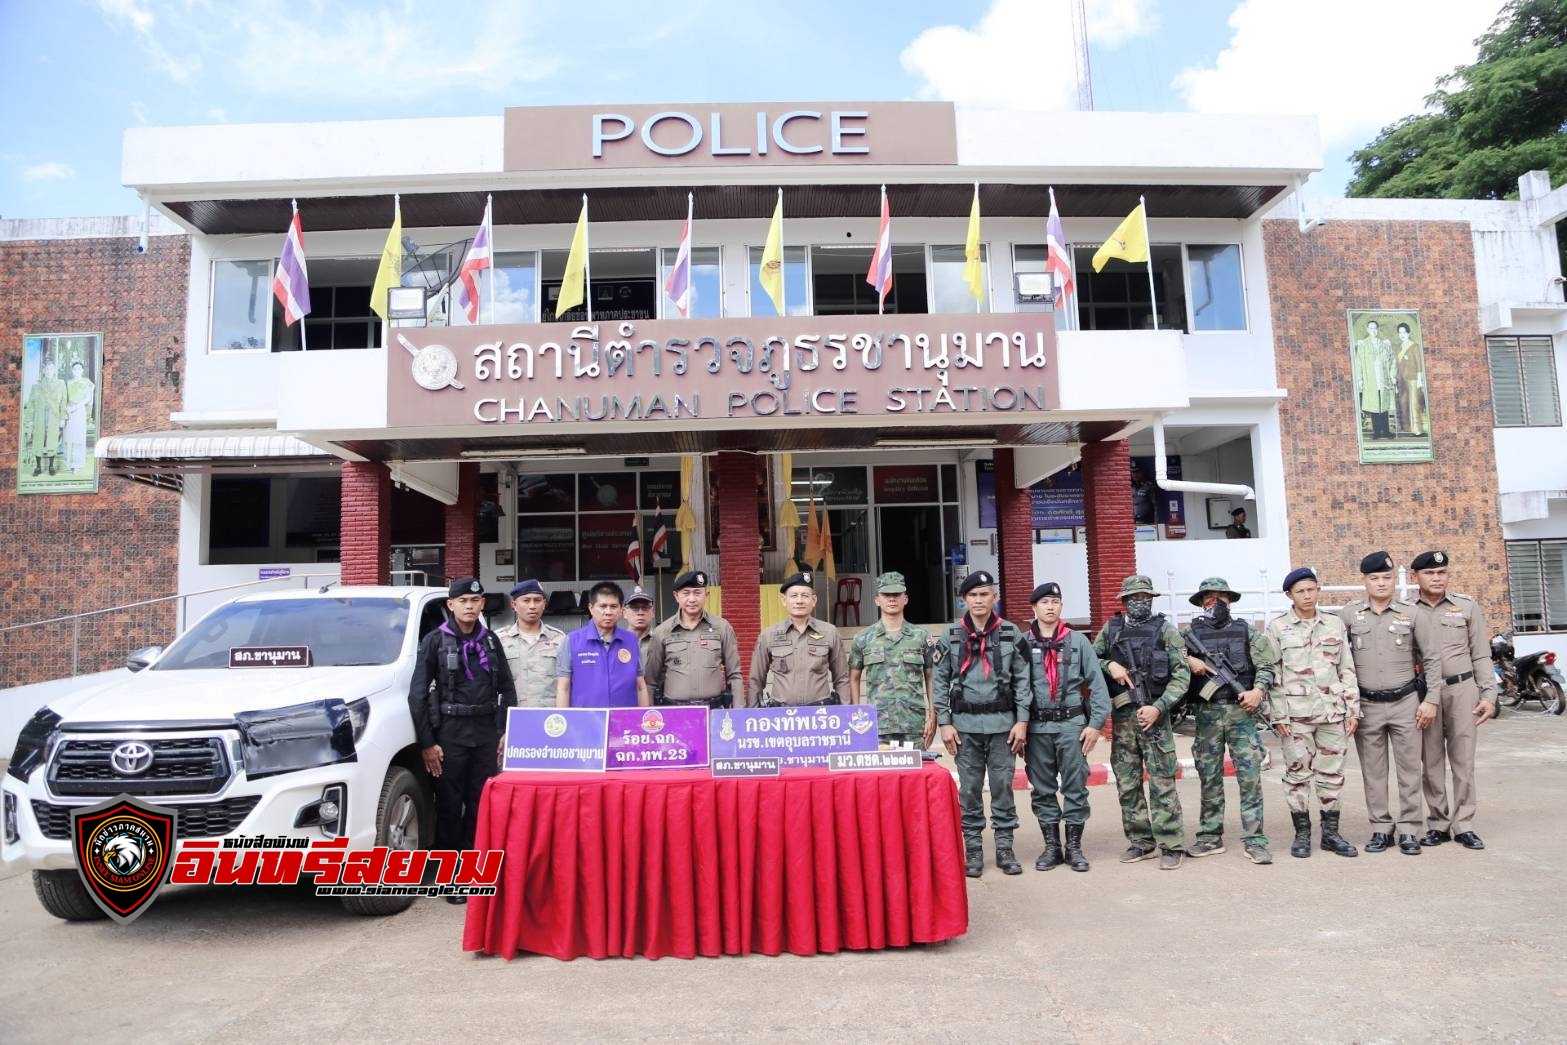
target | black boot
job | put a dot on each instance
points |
(973, 858)
(1052, 854)
(1005, 859)
(1302, 845)
(1074, 848)
(38, 466)
(1332, 841)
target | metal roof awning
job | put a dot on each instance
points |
(163, 459)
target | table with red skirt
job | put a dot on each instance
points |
(677, 862)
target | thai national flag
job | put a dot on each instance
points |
(678, 286)
(880, 272)
(477, 261)
(660, 547)
(634, 553)
(291, 283)
(1057, 261)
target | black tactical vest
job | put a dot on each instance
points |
(1232, 642)
(1146, 642)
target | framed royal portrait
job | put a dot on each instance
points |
(1388, 371)
(61, 413)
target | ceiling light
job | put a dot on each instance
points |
(966, 441)
(526, 451)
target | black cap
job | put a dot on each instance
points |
(690, 579)
(639, 594)
(798, 580)
(527, 587)
(1296, 576)
(1376, 562)
(1237, 511)
(978, 579)
(464, 586)
(1431, 560)
(1049, 589)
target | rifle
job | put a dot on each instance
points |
(1218, 663)
(1135, 695)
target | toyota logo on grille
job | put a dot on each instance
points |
(131, 758)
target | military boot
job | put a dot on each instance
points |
(1074, 848)
(1302, 845)
(1052, 854)
(973, 857)
(1005, 858)
(1332, 841)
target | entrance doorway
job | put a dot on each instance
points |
(911, 544)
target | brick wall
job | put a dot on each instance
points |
(739, 573)
(1015, 542)
(1340, 509)
(1112, 545)
(462, 524)
(65, 553)
(367, 523)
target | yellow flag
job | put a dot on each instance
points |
(813, 533)
(770, 275)
(390, 273)
(574, 282)
(973, 267)
(1129, 241)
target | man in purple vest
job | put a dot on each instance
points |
(599, 665)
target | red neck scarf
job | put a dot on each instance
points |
(978, 642)
(1053, 646)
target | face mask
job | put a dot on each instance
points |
(1138, 609)
(1218, 613)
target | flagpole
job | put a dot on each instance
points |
(588, 260)
(304, 344)
(881, 297)
(489, 243)
(1153, 301)
(783, 269)
(979, 253)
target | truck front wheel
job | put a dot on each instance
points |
(64, 896)
(402, 818)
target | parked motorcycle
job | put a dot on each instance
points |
(1533, 677)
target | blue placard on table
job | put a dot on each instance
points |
(657, 738)
(572, 740)
(795, 736)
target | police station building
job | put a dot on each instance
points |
(1328, 377)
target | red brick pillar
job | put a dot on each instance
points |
(462, 524)
(1014, 541)
(367, 523)
(1112, 544)
(739, 543)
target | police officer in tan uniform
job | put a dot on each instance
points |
(693, 657)
(1462, 660)
(637, 617)
(1387, 638)
(799, 662)
(531, 646)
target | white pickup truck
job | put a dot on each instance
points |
(319, 751)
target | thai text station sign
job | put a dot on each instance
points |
(671, 373)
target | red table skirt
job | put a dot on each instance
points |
(678, 863)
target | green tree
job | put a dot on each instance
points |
(1490, 121)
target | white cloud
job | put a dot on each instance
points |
(217, 115)
(52, 170)
(1357, 65)
(129, 12)
(179, 66)
(1020, 54)
(139, 111)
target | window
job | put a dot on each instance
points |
(1218, 292)
(796, 279)
(1523, 382)
(707, 283)
(515, 276)
(842, 494)
(241, 305)
(575, 527)
(1117, 298)
(1537, 574)
(948, 290)
(624, 284)
(274, 518)
(838, 286)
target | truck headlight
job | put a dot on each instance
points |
(32, 744)
(329, 812)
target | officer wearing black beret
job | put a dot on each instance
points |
(1463, 661)
(458, 697)
(693, 657)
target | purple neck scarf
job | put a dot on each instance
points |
(476, 643)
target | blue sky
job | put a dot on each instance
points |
(75, 73)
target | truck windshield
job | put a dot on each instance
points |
(339, 632)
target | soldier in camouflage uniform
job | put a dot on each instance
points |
(1314, 706)
(1145, 663)
(1226, 719)
(1069, 707)
(981, 697)
(531, 646)
(889, 666)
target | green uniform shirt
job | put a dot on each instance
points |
(892, 675)
(980, 686)
(1078, 666)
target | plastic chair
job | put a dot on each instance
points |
(847, 602)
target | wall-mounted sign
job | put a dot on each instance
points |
(575, 137)
(818, 370)
(1388, 367)
(62, 375)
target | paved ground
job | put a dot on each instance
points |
(1449, 946)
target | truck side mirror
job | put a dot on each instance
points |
(139, 660)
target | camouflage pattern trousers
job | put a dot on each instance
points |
(1221, 726)
(1314, 755)
(1155, 817)
(982, 755)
